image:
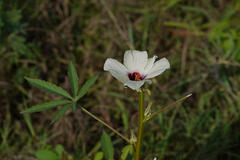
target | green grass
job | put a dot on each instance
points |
(200, 38)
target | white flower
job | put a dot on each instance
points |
(136, 69)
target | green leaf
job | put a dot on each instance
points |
(74, 106)
(98, 156)
(86, 86)
(49, 87)
(14, 16)
(45, 106)
(107, 147)
(29, 123)
(59, 150)
(126, 151)
(45, 154)
(73, 77)
(60, 113)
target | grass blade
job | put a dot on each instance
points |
(29, 124)
(73, 77)
(107, 146)
(45, 106)
(48, 87)
(86, 86)
(60, 113)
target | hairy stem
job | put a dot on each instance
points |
(105, 124)
(166, 108)
(140, 125)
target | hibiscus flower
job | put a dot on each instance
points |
(136, 69)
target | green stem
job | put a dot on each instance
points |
(166, 108)
(105, 124)
(140, 125)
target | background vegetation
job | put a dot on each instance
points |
(200, 38)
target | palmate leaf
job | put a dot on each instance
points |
(61, 113)
(107, 147)
(85, 87)
(73, 77)
(45, 106)
(49, 87)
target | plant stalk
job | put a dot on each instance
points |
(140, 125)
(105, 124)
(166, 108)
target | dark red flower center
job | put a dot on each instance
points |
(135, 76)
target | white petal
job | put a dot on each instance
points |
(135, 85)
(158, 67)
(128, 59)
(149, 64)
(118, 70)
(135, 61)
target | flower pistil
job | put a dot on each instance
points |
(135, 76)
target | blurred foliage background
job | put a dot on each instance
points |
(201, 39)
